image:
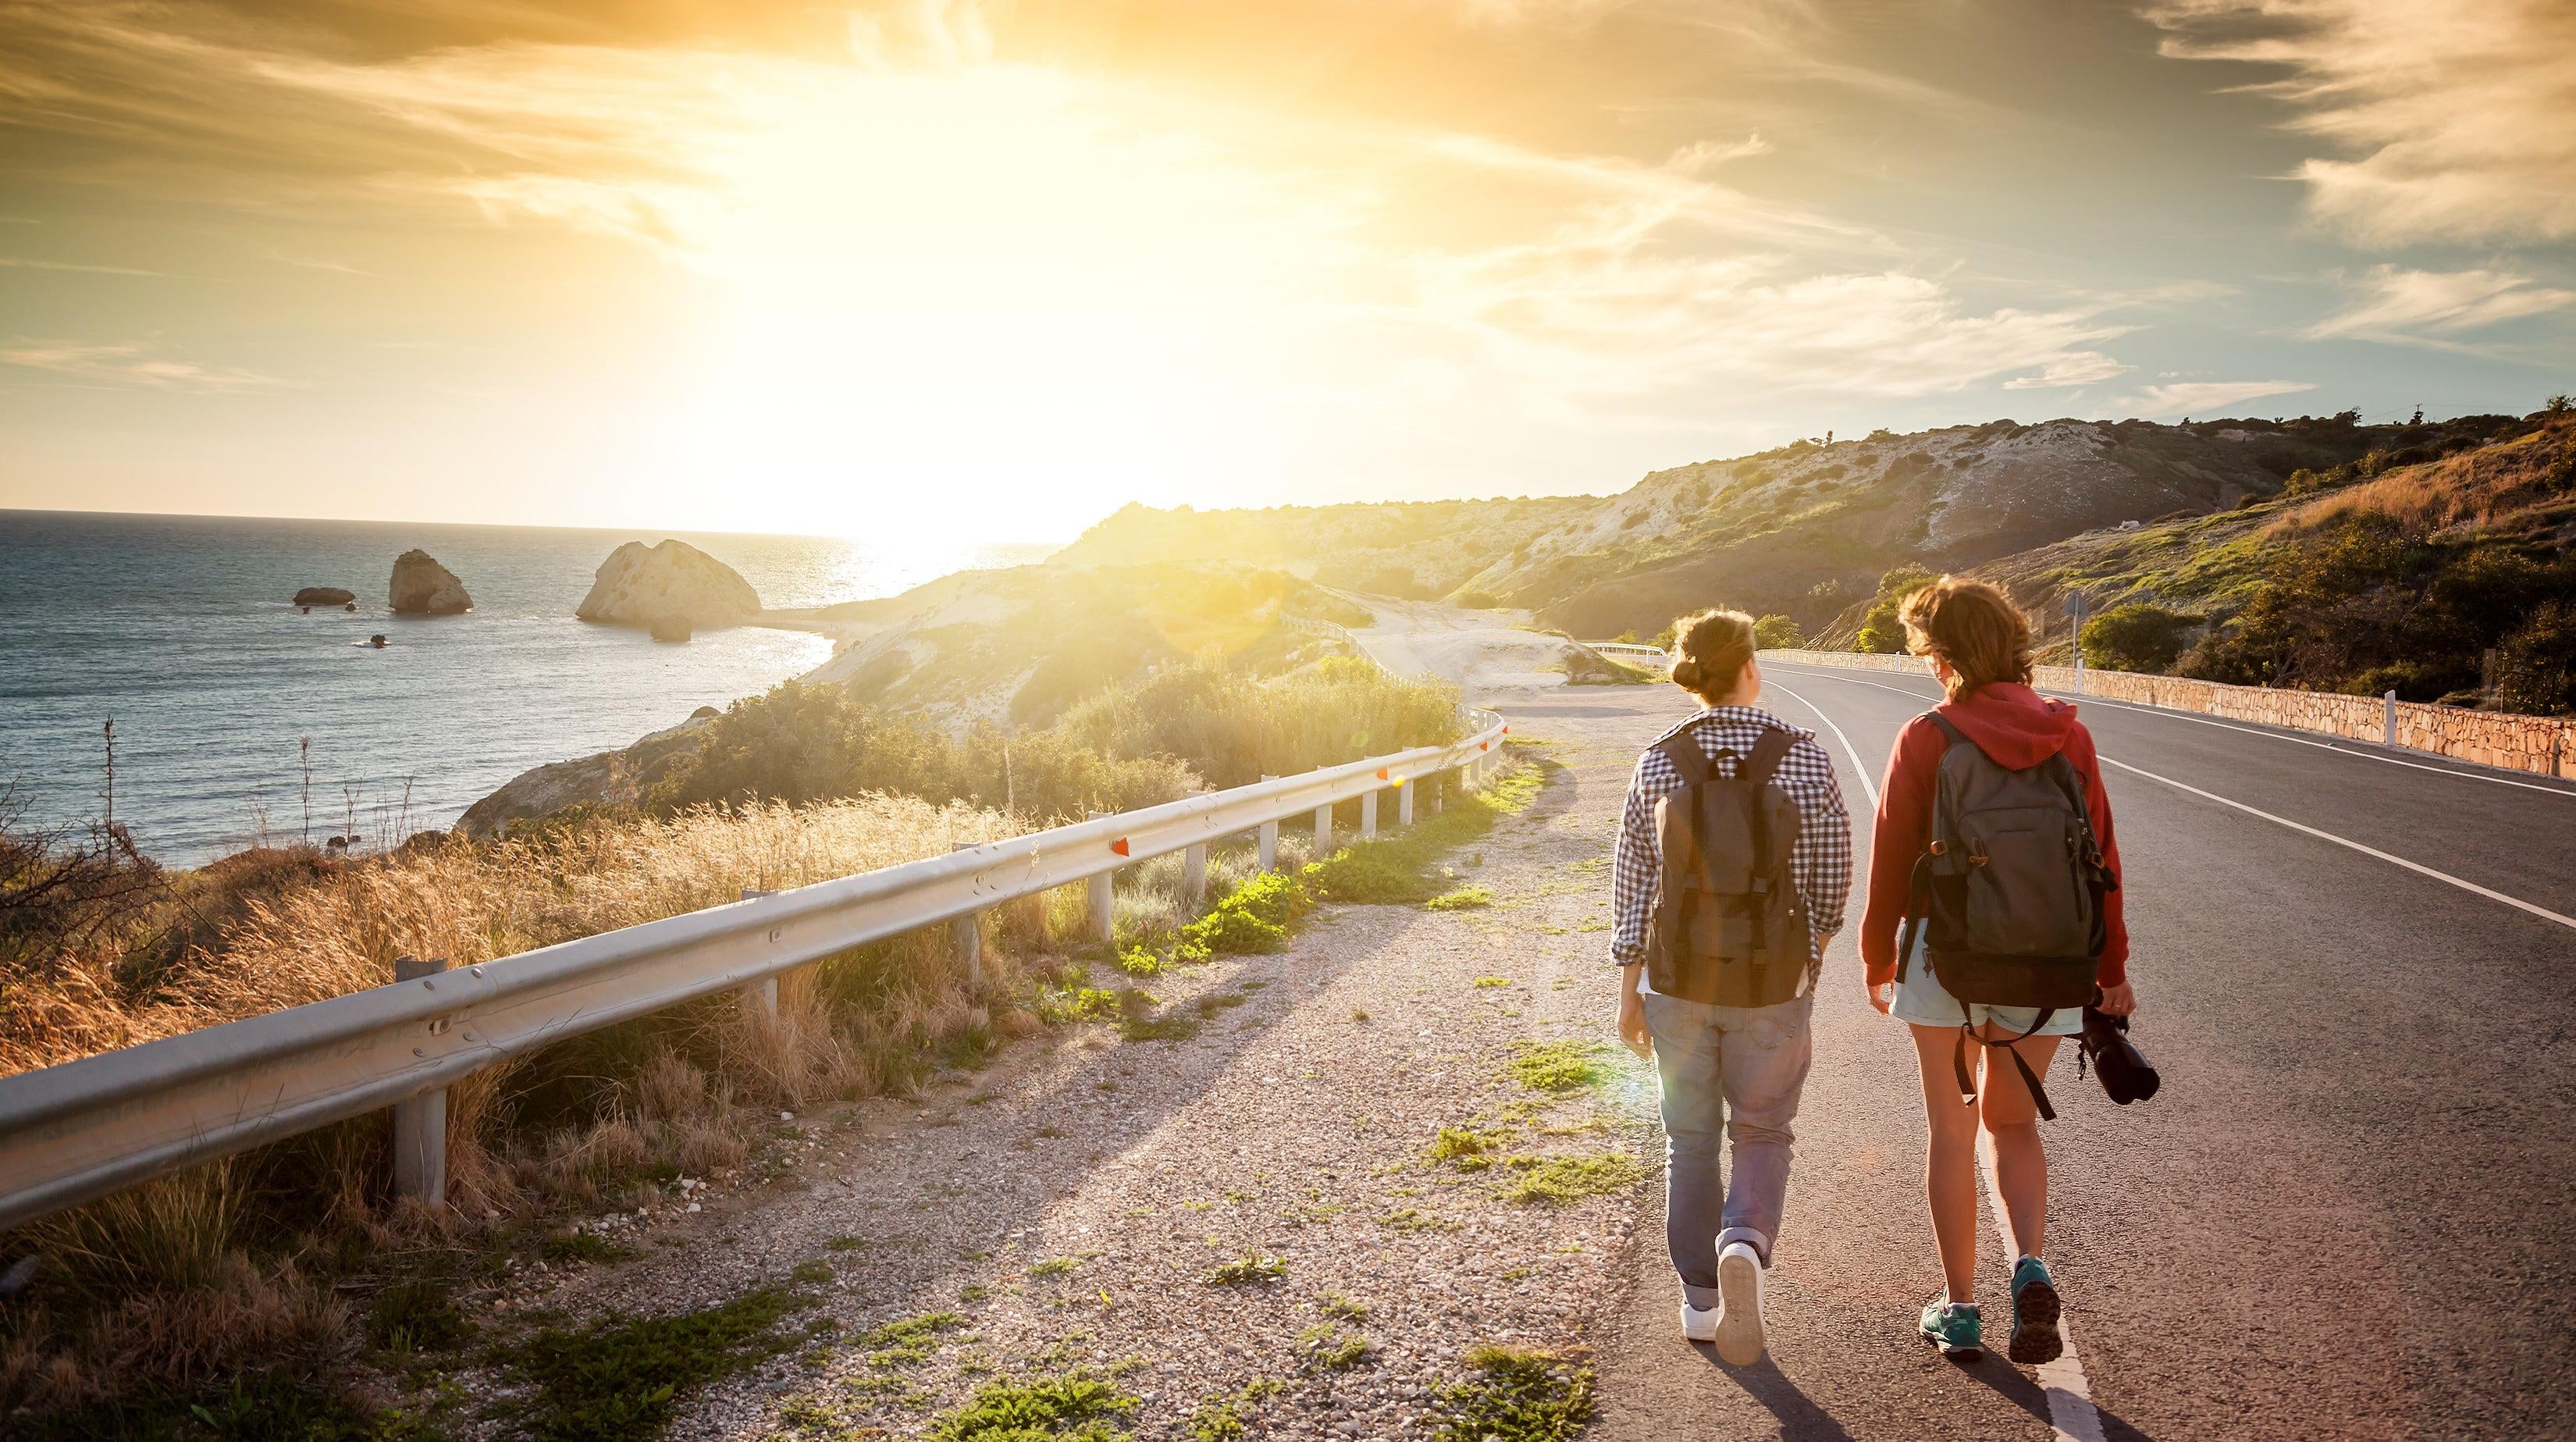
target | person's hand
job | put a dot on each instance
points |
(1632, 1025)
(1882, 996)
(2118, 1000)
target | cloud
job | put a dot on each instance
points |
(2185, 397)
(2078, 369)
(2421, 306)
(2452, 122)
(23, 263)
(133, 365)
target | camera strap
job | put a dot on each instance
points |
(2029, 1078)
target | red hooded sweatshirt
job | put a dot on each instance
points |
(2015, 727)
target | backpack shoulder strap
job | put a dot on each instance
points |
(1766, 756)
(1957, 737)
(1683, 751)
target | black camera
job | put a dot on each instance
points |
(2125, 1073)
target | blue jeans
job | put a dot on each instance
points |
(1735, 1071)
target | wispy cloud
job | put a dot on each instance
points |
(2185, 397)
(2389, 303)
(2453, 121)
(23, 263)
(2080, 368)
(132, 364)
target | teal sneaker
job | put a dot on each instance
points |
(2034, 1335)
(1954, 1328)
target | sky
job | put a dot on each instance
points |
(995, 267)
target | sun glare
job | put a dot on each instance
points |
(996, 285)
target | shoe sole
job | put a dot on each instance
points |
(1956, 1354)
(2035, 1338)
(1739, 1285)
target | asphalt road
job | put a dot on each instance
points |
(2348, 1214)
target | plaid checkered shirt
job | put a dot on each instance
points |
(1820, 864)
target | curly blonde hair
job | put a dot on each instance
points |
(1972, 625)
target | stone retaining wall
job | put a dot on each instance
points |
(2519, 743)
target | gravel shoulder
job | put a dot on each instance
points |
(1063, 1210)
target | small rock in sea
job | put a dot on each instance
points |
(422, 587)
(325, 596)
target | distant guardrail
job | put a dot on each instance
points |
(2542, 745)
(79, 1130)
(1660, 660)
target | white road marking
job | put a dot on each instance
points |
(1860, 768)
(2070, 1394)
(2071, 1412)
(2516, 902)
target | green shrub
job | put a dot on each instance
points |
(2137, 637)
(1778, 633)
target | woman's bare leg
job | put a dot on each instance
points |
(1950, 1166)
(2012, 1142)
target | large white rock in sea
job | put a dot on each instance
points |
(422, 587)
(671, 589)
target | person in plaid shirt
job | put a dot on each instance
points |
(1731, 1072)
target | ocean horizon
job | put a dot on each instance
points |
(181, 631)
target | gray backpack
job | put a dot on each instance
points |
(2008, 893)
(1730, 928)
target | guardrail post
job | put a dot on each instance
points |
(1403, 802)
(760, 999)
(967, 933)
(2390, 738)
(420, 1123)
(1103, 899)
(1269, 838)
(1368, 815)
(1194, 872)
(1323, 831)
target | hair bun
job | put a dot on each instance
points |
(1686, 674)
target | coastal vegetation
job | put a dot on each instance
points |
(2442, 567)
(290, 1278)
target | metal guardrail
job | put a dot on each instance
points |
(77, 1131)
(1660, 659)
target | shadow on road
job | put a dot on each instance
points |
(2025, 1392)
(1800, 1417)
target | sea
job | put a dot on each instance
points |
(239, 719)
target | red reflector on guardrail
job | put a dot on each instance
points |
(1381, 773)
(1484, 745)
(1119, 846)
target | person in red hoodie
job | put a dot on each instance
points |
(1979, 645)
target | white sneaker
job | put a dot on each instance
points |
(1699, 1324)
(1739, 1323)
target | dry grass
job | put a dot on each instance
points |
(2477, 489)
(341, 928)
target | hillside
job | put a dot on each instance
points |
(1022, 644)
(2435, 567)
(1806, 529)
(1412, 550)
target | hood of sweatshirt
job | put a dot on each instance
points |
(2015, 726)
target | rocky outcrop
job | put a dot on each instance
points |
(670, 589)
(324, 596)
(422, 587)
(609, 778)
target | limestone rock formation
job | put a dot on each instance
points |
(422, 587)
(324, 596)
(670, 589)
